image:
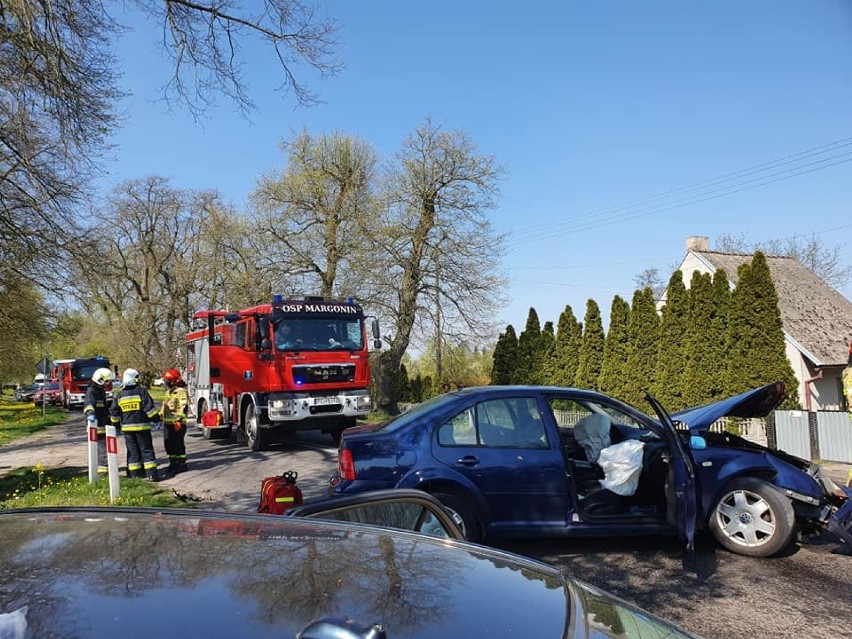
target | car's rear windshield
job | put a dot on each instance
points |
(413, 413)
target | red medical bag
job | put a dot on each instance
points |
(279, 493)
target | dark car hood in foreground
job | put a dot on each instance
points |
(142, 574)
(754, 403)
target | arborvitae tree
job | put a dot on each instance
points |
(428, 387)
(547, 355)
(717, 341)
(417, 389)
(700, 367)
(615, 349)
(756, 350)
(591, 349)
(642, 340)
(569, 336)
(504, 358)
(528, 351)
(403, 386)
(671, 357)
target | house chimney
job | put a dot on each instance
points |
(697, 243)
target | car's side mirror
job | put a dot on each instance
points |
(404, 509)
(697, 443)
(266, 344)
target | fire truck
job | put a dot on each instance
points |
(294, 364)
(75, 375)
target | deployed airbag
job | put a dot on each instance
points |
(622, 465)
(592, 433)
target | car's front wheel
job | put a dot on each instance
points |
(753, 518)
(462, 514)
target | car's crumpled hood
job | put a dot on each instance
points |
(758, 402)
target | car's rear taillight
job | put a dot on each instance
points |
(345, 465)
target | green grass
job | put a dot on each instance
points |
(19, 419)
(36, 487)
(376, 417)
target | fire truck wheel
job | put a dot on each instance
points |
(256, 437)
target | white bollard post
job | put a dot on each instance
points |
(92, 430)
(112, 462)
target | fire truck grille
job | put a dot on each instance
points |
(325, 373)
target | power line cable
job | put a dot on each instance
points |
(703, 185)
(697, 198)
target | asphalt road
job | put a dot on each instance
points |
(711, 592)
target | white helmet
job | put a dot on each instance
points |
(102, 376)
(130, 377)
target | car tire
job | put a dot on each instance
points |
(257, 439)
(753, 518)
(462, 514)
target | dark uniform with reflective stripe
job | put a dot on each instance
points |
(96, 404)
(133, 410)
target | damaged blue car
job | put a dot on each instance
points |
(528, 461)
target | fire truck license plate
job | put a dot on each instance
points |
(323, 401)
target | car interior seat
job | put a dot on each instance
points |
(529, 429)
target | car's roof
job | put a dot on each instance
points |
(143, 572)
(521, 388)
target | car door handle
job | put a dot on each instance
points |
(468, 460)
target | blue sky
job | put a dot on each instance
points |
(591, 107)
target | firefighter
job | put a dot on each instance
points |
(96, 410)
(174, 420)
(132, 411)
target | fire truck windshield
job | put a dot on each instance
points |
(320, 334)
(84, 372)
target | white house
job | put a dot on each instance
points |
(817, 320)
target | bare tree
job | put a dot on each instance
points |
(57, 89)
(432, 238)
(650, 278)
(205, 42)
(826, 261)
(312, 212)
(59, 84)
(149, 268)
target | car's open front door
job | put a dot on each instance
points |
(681, 482)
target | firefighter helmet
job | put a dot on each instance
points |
(130, 377)
(102, 376)
(171, 376)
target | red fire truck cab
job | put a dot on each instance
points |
(75, 375)
(296, 364)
